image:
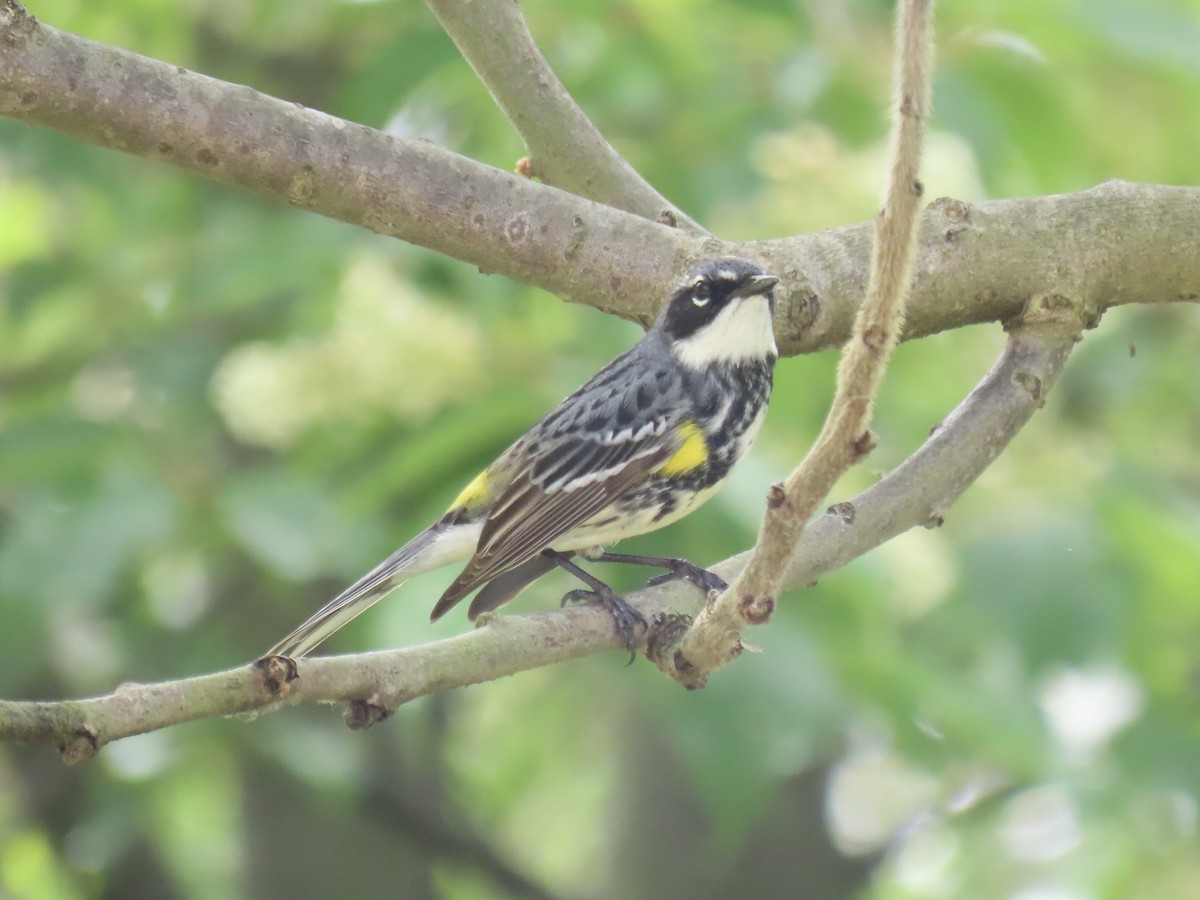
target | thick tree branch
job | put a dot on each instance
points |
(716, 636)
(918, 492)
(976, 263)
(412, 190)
(565, 148)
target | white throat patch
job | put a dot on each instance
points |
(741, 332)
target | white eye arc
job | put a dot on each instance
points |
(699, 300)
(701, 293)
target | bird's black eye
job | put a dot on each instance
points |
(702, 292)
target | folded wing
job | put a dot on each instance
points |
(597, 445)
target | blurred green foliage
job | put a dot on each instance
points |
(215, 411)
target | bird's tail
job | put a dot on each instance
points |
(359, 597)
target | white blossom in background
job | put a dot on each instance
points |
(1085, 708)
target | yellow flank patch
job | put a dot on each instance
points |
(473, 495)
(692, 452)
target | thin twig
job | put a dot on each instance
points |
(917, 492)
(715, 637)
(565, 147)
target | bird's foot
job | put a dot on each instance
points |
(625, 618)
(701, 578)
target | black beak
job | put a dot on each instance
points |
(756, 284)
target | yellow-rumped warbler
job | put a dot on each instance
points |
(647, 440)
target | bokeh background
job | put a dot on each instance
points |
(215, 411)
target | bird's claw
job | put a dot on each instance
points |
(701, 578)
(625, 617)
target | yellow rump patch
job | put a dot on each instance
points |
(473, 495)
(692, 452)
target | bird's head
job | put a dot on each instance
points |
(720, 312)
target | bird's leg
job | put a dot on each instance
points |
(625, 617)
(679, 568)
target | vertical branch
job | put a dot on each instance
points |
(715, 637)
